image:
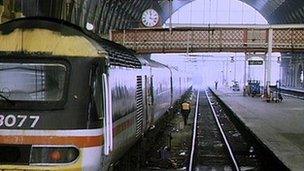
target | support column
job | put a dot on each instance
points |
(226, 72)
(1, 10)
(265, 70)
(234, 74)
(290, 75)
(245, 67)
(295, 75)
(303, 73)
(170, 19)
(283, 75)
(245, 76)
(297, 67)
(270, 41)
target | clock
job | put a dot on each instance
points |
(150, 18)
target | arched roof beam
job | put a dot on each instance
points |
(108, 14)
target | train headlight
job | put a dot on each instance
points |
(53, 155)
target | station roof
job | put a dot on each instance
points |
(123, 14)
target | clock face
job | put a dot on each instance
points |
(150, 18)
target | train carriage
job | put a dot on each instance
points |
(70, 100)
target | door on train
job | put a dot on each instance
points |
(101, 103)
(148, 101)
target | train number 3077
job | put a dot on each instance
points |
(19, 120)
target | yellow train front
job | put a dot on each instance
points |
(73, 101)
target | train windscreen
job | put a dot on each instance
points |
(32, 81)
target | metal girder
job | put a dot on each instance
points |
(87, 12)
(111, 11)
(176, 5)
(285, 38)
(121, 14)
(100, 20)
(131, 18)
(105, 14)
(121, 9)
(287, 12)
(127, 16)
(123, 19)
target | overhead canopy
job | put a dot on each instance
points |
(279, 11)
(121, 14)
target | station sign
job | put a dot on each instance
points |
(255, 62)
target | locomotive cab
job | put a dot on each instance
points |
(46, 96)
(70, 100)
(53, 85)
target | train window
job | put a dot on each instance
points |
(32, 81)
(96, 104)
(97, 94)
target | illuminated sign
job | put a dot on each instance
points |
(255, 62)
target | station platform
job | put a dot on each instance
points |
(301, 90)
(293, 92)
(280, 126)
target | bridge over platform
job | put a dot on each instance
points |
(213, 38)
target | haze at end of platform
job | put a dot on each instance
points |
(206, 68)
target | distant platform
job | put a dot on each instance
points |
(293, 92)
(280, 126)
(293, 89)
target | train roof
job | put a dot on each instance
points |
(118, 54)
(147, 61)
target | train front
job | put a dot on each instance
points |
(50, 97)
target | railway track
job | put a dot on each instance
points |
(220, 142)
(215, 140)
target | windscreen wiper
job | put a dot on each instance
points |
(7, 99)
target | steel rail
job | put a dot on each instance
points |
(237, 168)
(194, 132)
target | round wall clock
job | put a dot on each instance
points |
(150, 18)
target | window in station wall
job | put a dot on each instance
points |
(206, 68)
(216, 12)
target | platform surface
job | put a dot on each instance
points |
(280, 126)
(293, 89)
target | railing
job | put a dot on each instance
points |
(194, 133)
(253, 38)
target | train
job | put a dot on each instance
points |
(71, 100)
